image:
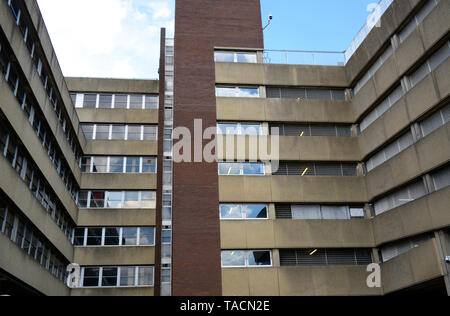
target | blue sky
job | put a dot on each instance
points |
(320, 25)
(123, 41)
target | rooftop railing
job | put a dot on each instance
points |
(371, 22)
(297, 57)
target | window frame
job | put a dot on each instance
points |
(246, 258)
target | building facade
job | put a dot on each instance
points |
(91, 171)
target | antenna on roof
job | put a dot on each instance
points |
(268, 23)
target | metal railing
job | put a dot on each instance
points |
(371, 22)
(297, 57)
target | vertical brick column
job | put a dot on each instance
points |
(201, 25)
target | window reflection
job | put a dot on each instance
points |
(233, 258)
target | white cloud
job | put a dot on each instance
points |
(108, 38)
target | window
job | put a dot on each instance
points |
(118, 132)
(90, 101)
(237, 92)
(402, 196)
(318, 212)
(136, 101)
(86, 164)
(105, 101)
(129, 236)
(127, 276)
(112, 236)
(78, 239)
(114, 200)
(235, 57)
(109, 277)
(148, 200)
(304, 130)
(239, 129)
(100, 164)
(250, 211)
(117, 199)
(91, 277)
(325, 257)
(242, 259)
(438, 119)
(390, 151)
(121, 101)
(102, 132)
(430, 65)
(229, 169)
(150, 133)
(305, 93)
(134, 132)
(116, 164)
(398, 248)
(441, 178)
(316, 169)
(88, 130)
(94, 237)
(381, 108)
(146, 236)
(148, 165)
(145, 276)
(151, 102)
(417, 19)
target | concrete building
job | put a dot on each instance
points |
(89, 172)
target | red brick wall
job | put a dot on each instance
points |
(201, 25)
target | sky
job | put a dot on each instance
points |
(120, 38)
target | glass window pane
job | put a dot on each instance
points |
(226, 92)
(83, 199)
(94, 237)
(118, 132)
(335, 212)
(246, 58)
(151, 101)
(100, 164)
(88, 130)
(259, 258)
(256, 211)
(78, 237)
(121, 101)
(149, 165)
(229, 169)
(357, 212)
(233, 258)
(133, 164)
(145, 276)
(136, 101)
(127, 276)
(248, 93)
(253, 169)
(150, 132)
(91, 277)
(116, 165)
(105, 101)
(148, 200)
(223, 56)
(134, 132)
(129, 236)
(112, 236)
(97, 199)
(86, 164)
(109, 277)
(228, 211)
(306, 212)
(251, 129)
(147, 236)
(102, 132)
(90, 101)
(114, 200)
(442, 178)
(227, 129)
(131, 200)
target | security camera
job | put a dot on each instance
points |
(268, 23)
(270, 16)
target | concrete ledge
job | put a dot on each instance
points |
(109, 85)
(138, 291)
(114, 256)
(122, 148)
(419, 265)
(113, 181)
(296, 234)
(23, 267)
(116, 218)
(121, 116)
